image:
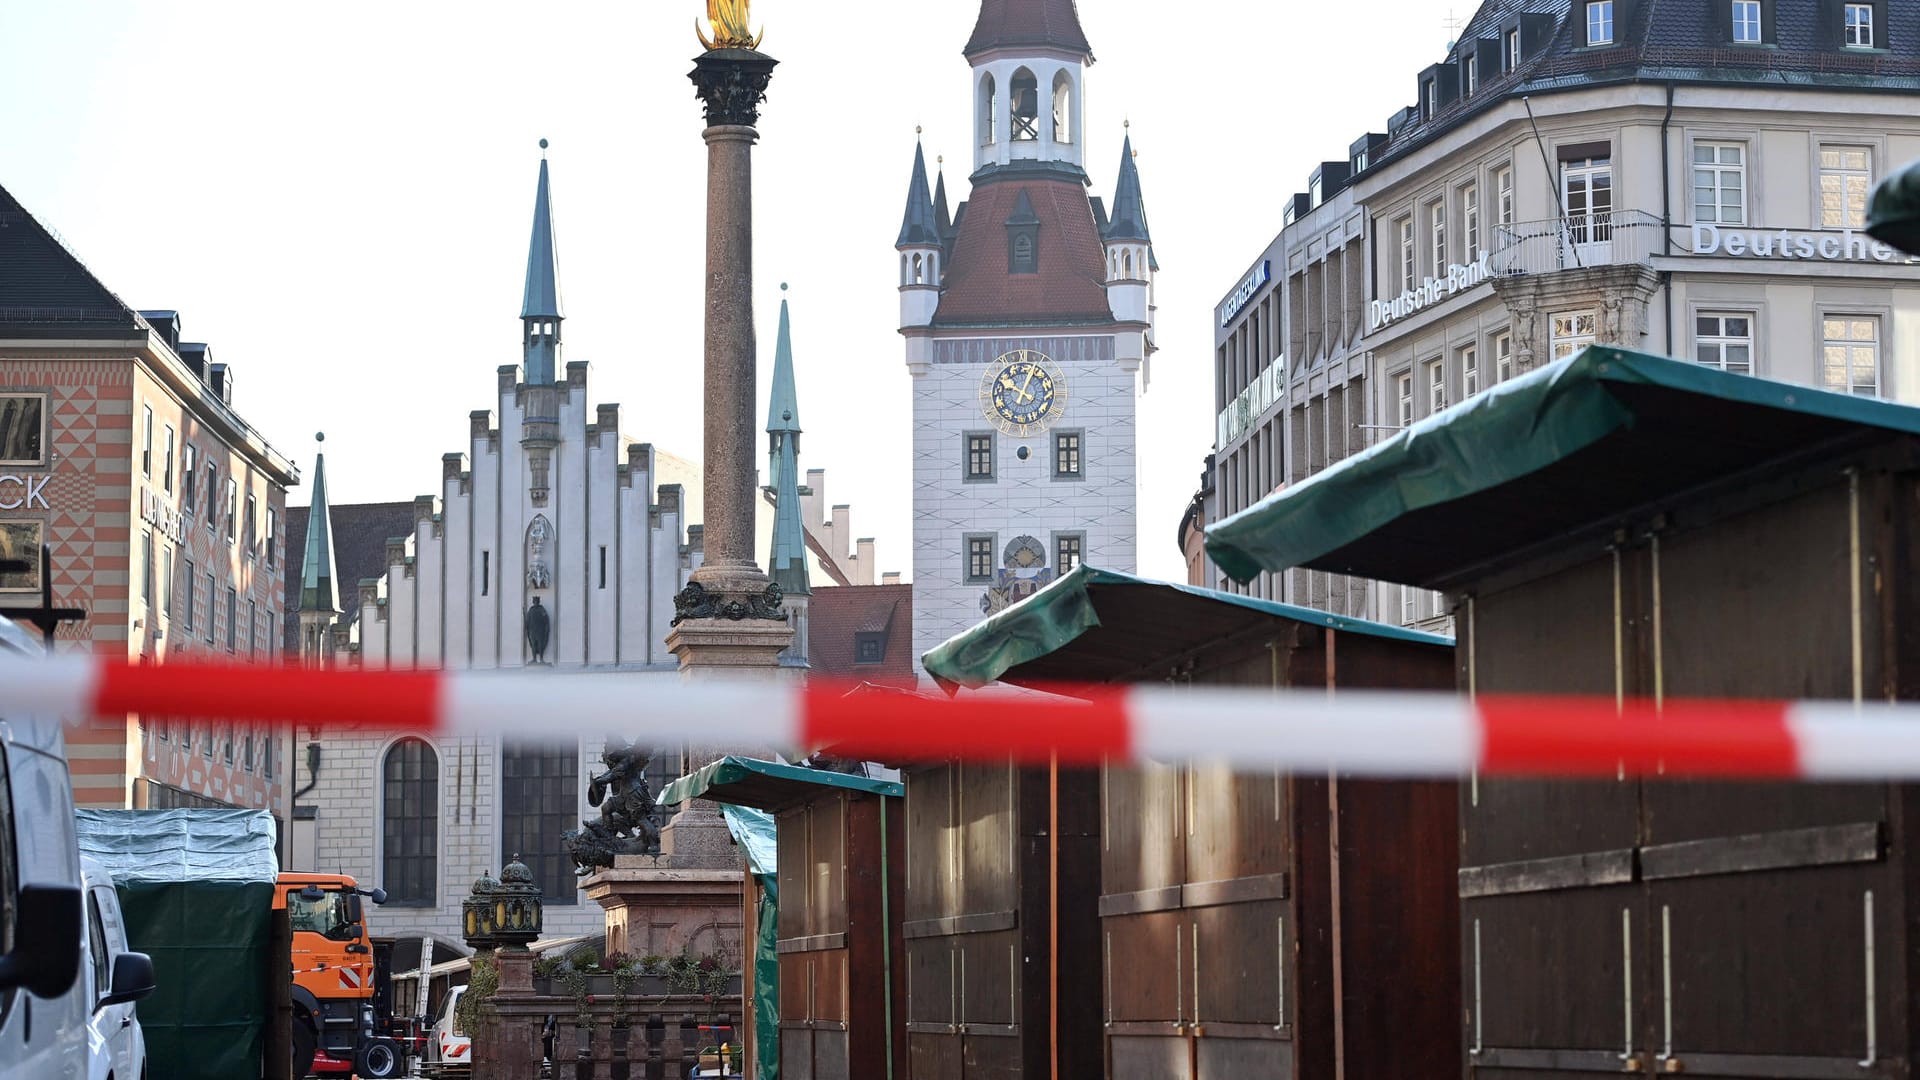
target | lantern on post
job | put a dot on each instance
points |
(477, 914)
(516, 908)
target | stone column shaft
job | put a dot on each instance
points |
(731, 381)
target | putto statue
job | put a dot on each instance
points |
(729, 21)
(625, 825)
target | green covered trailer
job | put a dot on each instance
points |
(196, 887)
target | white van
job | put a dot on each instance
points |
(115, 978)
(44, 1005)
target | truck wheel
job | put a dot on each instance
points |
(304, 1042)
(378, 1059)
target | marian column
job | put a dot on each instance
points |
(729, 619)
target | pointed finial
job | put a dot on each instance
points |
(917, 129)
(940, 159)
(783, 286)
(319, 436)
(543, 148)
(1126, 123)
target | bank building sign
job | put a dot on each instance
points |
(1460, 277)
(1812, 246)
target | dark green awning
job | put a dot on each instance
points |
(1141, 622)
(766, 785)
(1575, 444)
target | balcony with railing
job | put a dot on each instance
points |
(1574, 242)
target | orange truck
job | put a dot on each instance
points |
(337, 979)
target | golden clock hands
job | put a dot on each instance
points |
(1007, 381)
(1024, 396)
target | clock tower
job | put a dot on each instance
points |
(1028, 320)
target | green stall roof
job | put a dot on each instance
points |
(1581, 443)
(766, 785)
(1094, 626)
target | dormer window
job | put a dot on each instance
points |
(1746, 22)
(1429, 99)
(1513, 49)
(1600, 22)
(1023, 261)
(1859, 26)
(869, 648)
(1473, 75)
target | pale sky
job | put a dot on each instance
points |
(337, 198)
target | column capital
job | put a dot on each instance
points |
(732, 83)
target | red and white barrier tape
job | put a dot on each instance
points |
(1359, 733)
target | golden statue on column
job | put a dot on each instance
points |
(728, 19)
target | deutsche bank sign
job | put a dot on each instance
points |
(1248, 288)
(1843, 246)
(1460, 277)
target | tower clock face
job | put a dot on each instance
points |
(1023, 393)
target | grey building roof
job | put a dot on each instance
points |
(1129, 221)
(44, 289)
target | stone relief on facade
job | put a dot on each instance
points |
(539, 536)
(1025, 572)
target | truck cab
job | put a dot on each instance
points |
(335, 976)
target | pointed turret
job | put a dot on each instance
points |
(922, 248)
(787, 561)
(1129, 221)
(318, 591)
(942, 218)
(540, 310)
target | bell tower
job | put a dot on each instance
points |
(1029, 62)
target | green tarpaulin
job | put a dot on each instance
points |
(1169, 616)
(1599, 434)
(196, 887)
(753, 831)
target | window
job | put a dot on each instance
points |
(539, 800)
(1503, 195)
(1587, 193)
(1428, 96)
(166, 581)
(213, 493)
(146, 570)
(1403, 385)
(146, 441)
(409, 822)
(1846, 173)
(253, 627)
(1513, 48)
(1573, 331)
(979, 450)
(21, 540)
(233, 620)
(1406, 254)
(23, 429)
(189, 463)
(1023, 261)
(206, 746)
(869, 647)
(1409, 605)
(1437, 235)
(1436, 386)
(1062, 108)
(989, 102)
(212, 592)
(97, 946)
(1720, 183)
(233, 508)
(1469, 371)
(1068, 551)
(273, 532)
(1473, 74)
(1746, 22)
(1859, 18)
(246, 751)
(253, 520)
(979, 559)
(192, 584)
(166, 461)
(1066, 455)
(1600, 22)
(1724, 340)
(486, 571)
(1850, 354)
(1025, 90)
(226, 752)
(1470, 223)
(603, 566)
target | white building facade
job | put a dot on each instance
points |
(1028, 320)
(1669, 178)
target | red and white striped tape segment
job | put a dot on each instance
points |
(1359, 733)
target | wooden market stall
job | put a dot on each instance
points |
(1624, 525)
(840, 849)
(1247, 925)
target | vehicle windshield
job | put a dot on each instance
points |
(326, 916)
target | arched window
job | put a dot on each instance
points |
(1062, 108)
(903, 270)
(1126, 265)
(989, 110)
(410, 826)
(1025, 91)
(539, 800)
(919, 275)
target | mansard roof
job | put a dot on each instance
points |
(44, 289)
(1048, 24)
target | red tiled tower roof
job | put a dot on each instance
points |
(1070, 286)
(1027, 24)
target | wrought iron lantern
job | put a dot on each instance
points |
(477, 914)
(516, 907)
(1893, 214)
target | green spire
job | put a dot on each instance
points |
(540, 310)
(787, 562)
(317, 589)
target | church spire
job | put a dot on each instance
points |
(918, 228)
(540, 310)
(1129, 211)
(318, 593)
(942, 217)
(787, 561)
